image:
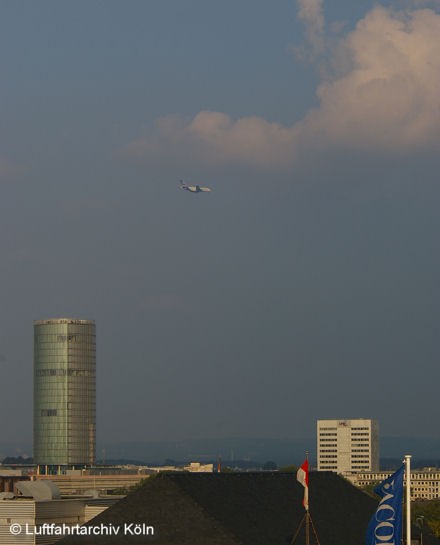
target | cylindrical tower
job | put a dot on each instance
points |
(64, 392)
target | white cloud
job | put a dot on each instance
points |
(214, 138)
(390, 99)
(310, 13)
(387, 100)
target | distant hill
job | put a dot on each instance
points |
(15, 449)
(281, 451)
(425, 452)
(419, 447)
(16, 460)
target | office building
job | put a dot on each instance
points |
(64, 393)
(347, 446)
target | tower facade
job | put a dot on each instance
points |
(348, 446)
(64, 392)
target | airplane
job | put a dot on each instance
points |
(194, 188)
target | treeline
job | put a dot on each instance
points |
(426, 513)
(16, 460)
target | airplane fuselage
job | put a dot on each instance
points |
(195, 188)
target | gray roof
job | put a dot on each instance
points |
(237, 509)
(39, 490)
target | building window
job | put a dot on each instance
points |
(48, 412)
(67, 338)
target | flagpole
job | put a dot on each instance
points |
(408, 498)
(307, 508)
(303, 477)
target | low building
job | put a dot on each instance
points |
(197, 467)
(425, 483)
(9, 477)
(39, 505)
(79, 483)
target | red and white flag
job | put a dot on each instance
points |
(303, 477)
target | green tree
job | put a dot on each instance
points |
(369, 489)
(427, 512)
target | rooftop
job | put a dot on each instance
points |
(238, 509)
(63, 321)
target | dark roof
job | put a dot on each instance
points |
(237, 509)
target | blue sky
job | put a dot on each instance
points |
(304, 286)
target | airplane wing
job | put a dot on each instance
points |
(194, 188)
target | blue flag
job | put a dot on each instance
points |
(385, 526)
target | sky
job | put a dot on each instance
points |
(304, 286)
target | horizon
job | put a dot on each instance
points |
(258, 449)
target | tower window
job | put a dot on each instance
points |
(48, 412)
